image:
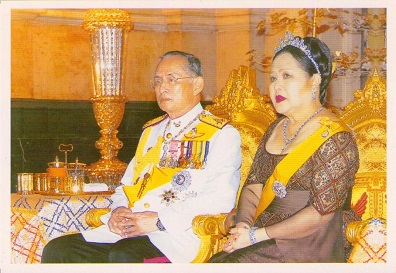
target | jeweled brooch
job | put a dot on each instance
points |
(169, 197)
(279, 189)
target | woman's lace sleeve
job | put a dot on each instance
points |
(248, 201)
(253, 186)
(337, 161)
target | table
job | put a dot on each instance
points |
(36, 219)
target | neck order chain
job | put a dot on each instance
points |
(168, 139)
(286, 123)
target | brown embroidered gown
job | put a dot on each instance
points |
(324, 181)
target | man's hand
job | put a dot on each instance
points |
(118, 220)
(127, 224)
(141, 223)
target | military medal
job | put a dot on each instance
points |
(182, 162)
(162, 163)
(181, 180)
(198, 158)
(193, 133)
(189, 154)
(279, 189)
(205, 154)
(173, 148)
(325, 133)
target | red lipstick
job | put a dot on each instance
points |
(279, 98)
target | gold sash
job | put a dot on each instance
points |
(147, 175)
(295, 159)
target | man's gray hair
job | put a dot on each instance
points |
(194, 64)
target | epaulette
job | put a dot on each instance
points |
(214, 120)
(154, 121)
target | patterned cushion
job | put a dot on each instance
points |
(371, 246)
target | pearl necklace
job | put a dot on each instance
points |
(286, 123)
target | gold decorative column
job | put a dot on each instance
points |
(108, 29)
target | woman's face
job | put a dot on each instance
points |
(290, 87)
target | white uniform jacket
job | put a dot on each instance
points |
(212, 190)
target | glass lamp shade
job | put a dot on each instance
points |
(108, 29)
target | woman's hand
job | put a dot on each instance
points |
(239, 238)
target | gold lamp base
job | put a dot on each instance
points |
(109, 169)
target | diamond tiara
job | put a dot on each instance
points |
(298, 43)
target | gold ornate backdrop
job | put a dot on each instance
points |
(51, 53)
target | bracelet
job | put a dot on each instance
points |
(252, 237)
(159, 225)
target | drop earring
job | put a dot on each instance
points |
(313, 92)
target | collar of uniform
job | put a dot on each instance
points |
(186, 118)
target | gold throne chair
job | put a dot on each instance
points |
(367, 116)
(250, 113)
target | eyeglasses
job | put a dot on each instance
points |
(170, 80)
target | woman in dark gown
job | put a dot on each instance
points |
(294, 205)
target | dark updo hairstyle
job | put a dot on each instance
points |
(194, 64)
(322, 56)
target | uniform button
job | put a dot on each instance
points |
(146, 205)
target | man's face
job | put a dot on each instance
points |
(174, 88)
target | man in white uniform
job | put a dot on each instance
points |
(187, 163)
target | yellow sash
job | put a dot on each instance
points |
(295, 159)
(147, 175)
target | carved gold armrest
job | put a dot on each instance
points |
(212, 231)
(93, 216)
(354, 231)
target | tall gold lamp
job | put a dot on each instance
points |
(108, 30)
